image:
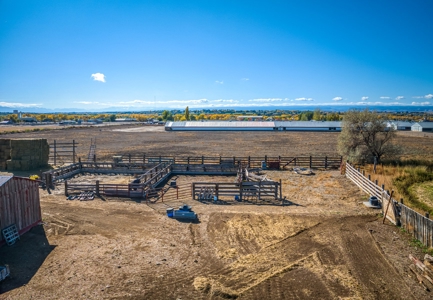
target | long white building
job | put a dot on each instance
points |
(253, 126)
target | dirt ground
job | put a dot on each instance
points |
(154, 140)
(324, 245)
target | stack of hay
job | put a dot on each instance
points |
(5, 152)
(24, 154)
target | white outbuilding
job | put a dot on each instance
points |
(422, 126)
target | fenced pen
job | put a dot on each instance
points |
(421, 227)
(270, 162)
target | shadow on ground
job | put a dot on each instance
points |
(24, 258)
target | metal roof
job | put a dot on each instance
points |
(306, 124)
(424, 124)
(401, 123)
(4, 179)
(220, 124)
(309, 124)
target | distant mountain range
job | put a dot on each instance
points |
(389, 108)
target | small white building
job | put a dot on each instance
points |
(423, 126)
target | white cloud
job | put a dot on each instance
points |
(219, 82)
(18, 105)
(385, 97)
(245, 79)
(365, 98)
(417, 97)
(337, 98)
(304, 99)
(421, 103)
(429, 96)
(85, 102)
(98, 77)
(399, 97)
(266, 100)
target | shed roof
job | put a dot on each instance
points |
(4, 179)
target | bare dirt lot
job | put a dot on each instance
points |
(325, 245)
(154, 140)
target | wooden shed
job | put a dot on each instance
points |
(19, 204)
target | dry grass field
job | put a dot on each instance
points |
(325, 245)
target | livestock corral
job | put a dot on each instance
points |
(305, 237)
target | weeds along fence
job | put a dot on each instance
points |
(271, 162)
(421, 227)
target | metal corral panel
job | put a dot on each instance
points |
(19, 204)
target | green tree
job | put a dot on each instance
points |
(13, 118)
(165, 114)
(112, 118)
(317, 115)
(187, 113)
(306, 116)
(365, 135)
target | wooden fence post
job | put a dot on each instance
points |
(66, 188)
(55, 152)
(73, 151)
(97, 188)
(193, 190)
(326, 162)
(281, 190)
(311, 162)
(240, 191)
(387, 207)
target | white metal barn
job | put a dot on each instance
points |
(422, 126)
(253, 126)
(400, 125)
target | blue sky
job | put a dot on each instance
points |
(141, 55)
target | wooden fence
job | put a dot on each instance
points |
(19, 204)
(152, 179)
(244, 190)
(272, 162)
(418, 225)
(63, 152)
